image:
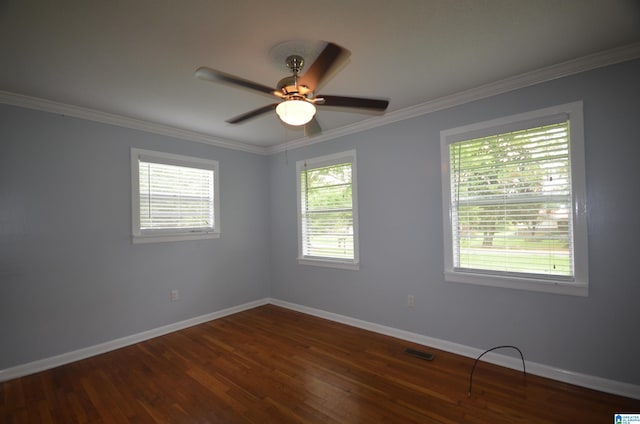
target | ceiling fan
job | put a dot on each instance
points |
(297, 93)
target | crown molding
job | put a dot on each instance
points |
(571, 67)
(548, 73)
(44, 105)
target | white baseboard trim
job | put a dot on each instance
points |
(76, 355)
(558, 374)
(578, 379)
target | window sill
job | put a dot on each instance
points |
(529, 284)
(330, 263)
(159, 238)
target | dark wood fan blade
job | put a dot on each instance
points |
(245, 116)
(209, 74)
(322, 68)
(356, 102)
(313, 127)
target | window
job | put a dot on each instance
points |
(514, 202)
(174, 197)
(327, 211)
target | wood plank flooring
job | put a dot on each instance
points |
(273, 365)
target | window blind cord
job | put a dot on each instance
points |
(458, 168)
(306, 206)
(524, 369)
(149, 195)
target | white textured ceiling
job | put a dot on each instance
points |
(136, 58)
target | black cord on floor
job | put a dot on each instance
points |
(524, 369)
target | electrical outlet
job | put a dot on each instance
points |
(175, 295)
(411, 301)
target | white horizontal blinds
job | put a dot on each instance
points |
(174, 196)
(511, 202)
(327, 212)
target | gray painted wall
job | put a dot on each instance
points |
(400, 213)
(69, 275)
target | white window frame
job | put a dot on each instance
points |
(319, 162)
(579, 284)
(150, 236)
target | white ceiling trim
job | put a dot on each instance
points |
(571, 67)
(586, 63)
(122, 121)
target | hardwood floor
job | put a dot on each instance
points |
(273, 365)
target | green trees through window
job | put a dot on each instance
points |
(327, 215)
(327, 211)
(511, 201)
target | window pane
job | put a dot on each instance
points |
(175, 197)
(327, 212)
(511, 202)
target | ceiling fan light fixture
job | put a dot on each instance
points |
(296, 112)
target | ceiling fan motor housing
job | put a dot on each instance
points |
(289, 85)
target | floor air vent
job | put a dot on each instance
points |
(419, 354)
